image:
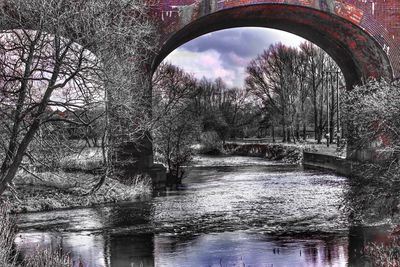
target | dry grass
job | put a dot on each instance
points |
(9, 255)
(7, 236)
(385, 254)
(39, 190)
(67, 190)
(47, 258)
(88, 159)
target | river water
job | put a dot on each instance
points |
(230, 211)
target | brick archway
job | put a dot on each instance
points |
(356, 51)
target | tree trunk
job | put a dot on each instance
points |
(12, 147)
(283, 131)
(273, 132)
(315, 106)
(9, 175)
(332, 117)
(297, 127)
(293, 136)
(321, 113)
(284, 127)
(288, 135)
(304, 121)
(12, 170)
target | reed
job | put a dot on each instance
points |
(9, 255)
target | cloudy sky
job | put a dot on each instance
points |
(226, 53)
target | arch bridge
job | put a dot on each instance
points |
(362, 36)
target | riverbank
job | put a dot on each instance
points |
(310, 155)
(62, 190)
(42, 189)
(290, 153)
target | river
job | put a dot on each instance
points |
(229, 211)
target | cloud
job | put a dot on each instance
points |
(202, 64)
(226, 53)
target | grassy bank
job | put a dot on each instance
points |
(41, 189)
(57, 190)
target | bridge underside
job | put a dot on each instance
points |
(358, 55)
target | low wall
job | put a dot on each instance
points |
(287, 153)
(292, 154)
(327, 162)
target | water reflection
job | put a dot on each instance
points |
(222, 249)
(241, 249)
(131, 250)
(238, 212)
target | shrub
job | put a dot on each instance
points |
(372, 115)
(210, 143)
(385, 255)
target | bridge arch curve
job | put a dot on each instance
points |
(356, 52)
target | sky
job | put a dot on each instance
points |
(226, 53)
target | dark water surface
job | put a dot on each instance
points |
(230, 211)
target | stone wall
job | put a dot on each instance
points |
(286, 153)
(319, 161)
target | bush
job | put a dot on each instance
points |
(210, 143)
(372, 114)
(214, 121)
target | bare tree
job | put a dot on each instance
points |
(271, 77)
(37, 69)
(176, 124)
(73, 53)
(315, 60)
(286, 79)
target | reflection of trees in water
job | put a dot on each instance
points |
(131, 250)
(125, 248)
(332, 251)
(311, 253)
(329, 251)
(374, 196)
(139, 215)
